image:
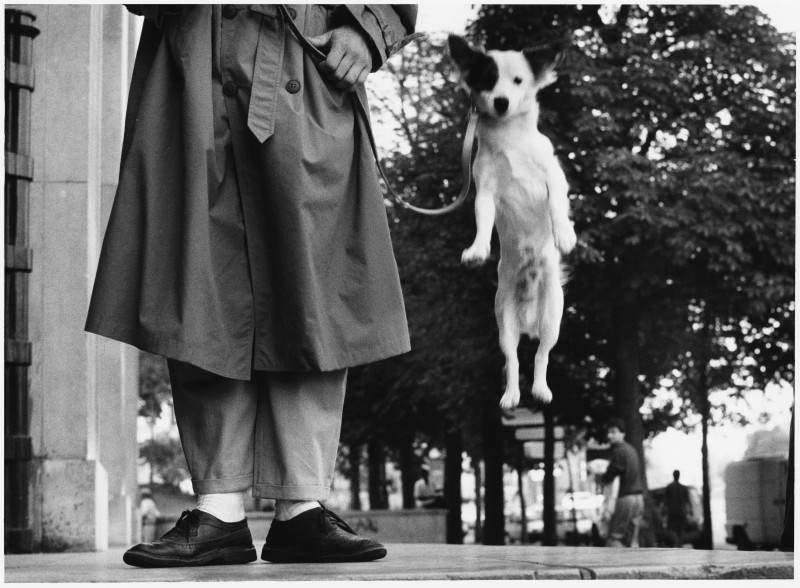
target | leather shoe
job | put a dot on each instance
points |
(318, 536)
(197, 539)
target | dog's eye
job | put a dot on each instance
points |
(518, 80)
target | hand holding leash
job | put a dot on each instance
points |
(315, 45)
(348, 61)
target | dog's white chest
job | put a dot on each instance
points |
(515, 176)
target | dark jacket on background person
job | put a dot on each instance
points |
(676, 499)
(248, 229)
(625, 464)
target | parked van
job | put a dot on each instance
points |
(755, 500)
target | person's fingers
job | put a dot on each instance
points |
(346, 67)
(348, 60)
(355, 76)
(336, 54)
(321, 41)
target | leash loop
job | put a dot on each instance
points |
(466, 149)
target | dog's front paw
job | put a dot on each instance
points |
(477, 254)
(565, 237)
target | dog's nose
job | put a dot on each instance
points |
(501, 105)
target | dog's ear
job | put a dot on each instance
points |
(544, 59)
(462, 53)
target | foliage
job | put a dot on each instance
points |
(676, 128)
(165, 455)
(154, 386)
(450, 313)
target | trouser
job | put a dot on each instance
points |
(277, 433)
(676, 525)
(623, 529)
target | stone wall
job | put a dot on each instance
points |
(84, 390)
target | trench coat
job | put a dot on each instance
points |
(248, 230)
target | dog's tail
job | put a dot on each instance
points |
(529, 279)
(530, 285)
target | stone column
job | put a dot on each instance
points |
(84, 390)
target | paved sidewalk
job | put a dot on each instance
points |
(428, 562)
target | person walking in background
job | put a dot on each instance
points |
(425, 494)
(248, 244)
(150, 513)
(629, 508)
(678, 506)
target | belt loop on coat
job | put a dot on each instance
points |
(266, 76)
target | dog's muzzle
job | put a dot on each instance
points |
(501, 105)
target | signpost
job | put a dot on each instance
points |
(537, 434)
(523, 417)
(541, 440)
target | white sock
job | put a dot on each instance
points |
(288, 509)
(227, 507)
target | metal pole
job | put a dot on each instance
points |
(19, 83)
(549, 499)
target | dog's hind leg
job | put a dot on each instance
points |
(551, 307)
(509, 327)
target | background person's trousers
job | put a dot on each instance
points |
(626, 520)
(278, 432)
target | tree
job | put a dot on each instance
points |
(427, 396)
(676, 126)
(154, 393)
(165, 456)
(154, 387)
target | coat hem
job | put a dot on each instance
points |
(174, 349)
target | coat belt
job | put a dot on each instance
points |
(267, 70)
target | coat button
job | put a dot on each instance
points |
(293, 86)
(229, 11)
(230, 89)
(293, 13)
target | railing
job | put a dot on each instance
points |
(19, 84)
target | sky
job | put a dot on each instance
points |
(451, 17)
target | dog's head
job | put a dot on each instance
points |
(505, 83)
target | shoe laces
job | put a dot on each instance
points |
(187, 525)
(336, 520)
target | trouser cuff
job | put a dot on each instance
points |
(222, 486)
(291, 492)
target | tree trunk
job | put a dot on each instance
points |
(476, 467)
(378, 498)
(355, 477)
(549, 491)
(523, 519)
(706, 537)
(408, 472)
(627, 399)
(787, 536)
(494, 527)
(152, 440)
(452, 486)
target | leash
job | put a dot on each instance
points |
(466, 149)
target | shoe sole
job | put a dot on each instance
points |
(215, 557)
(289, 556)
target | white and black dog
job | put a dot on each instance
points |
(521, 189)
